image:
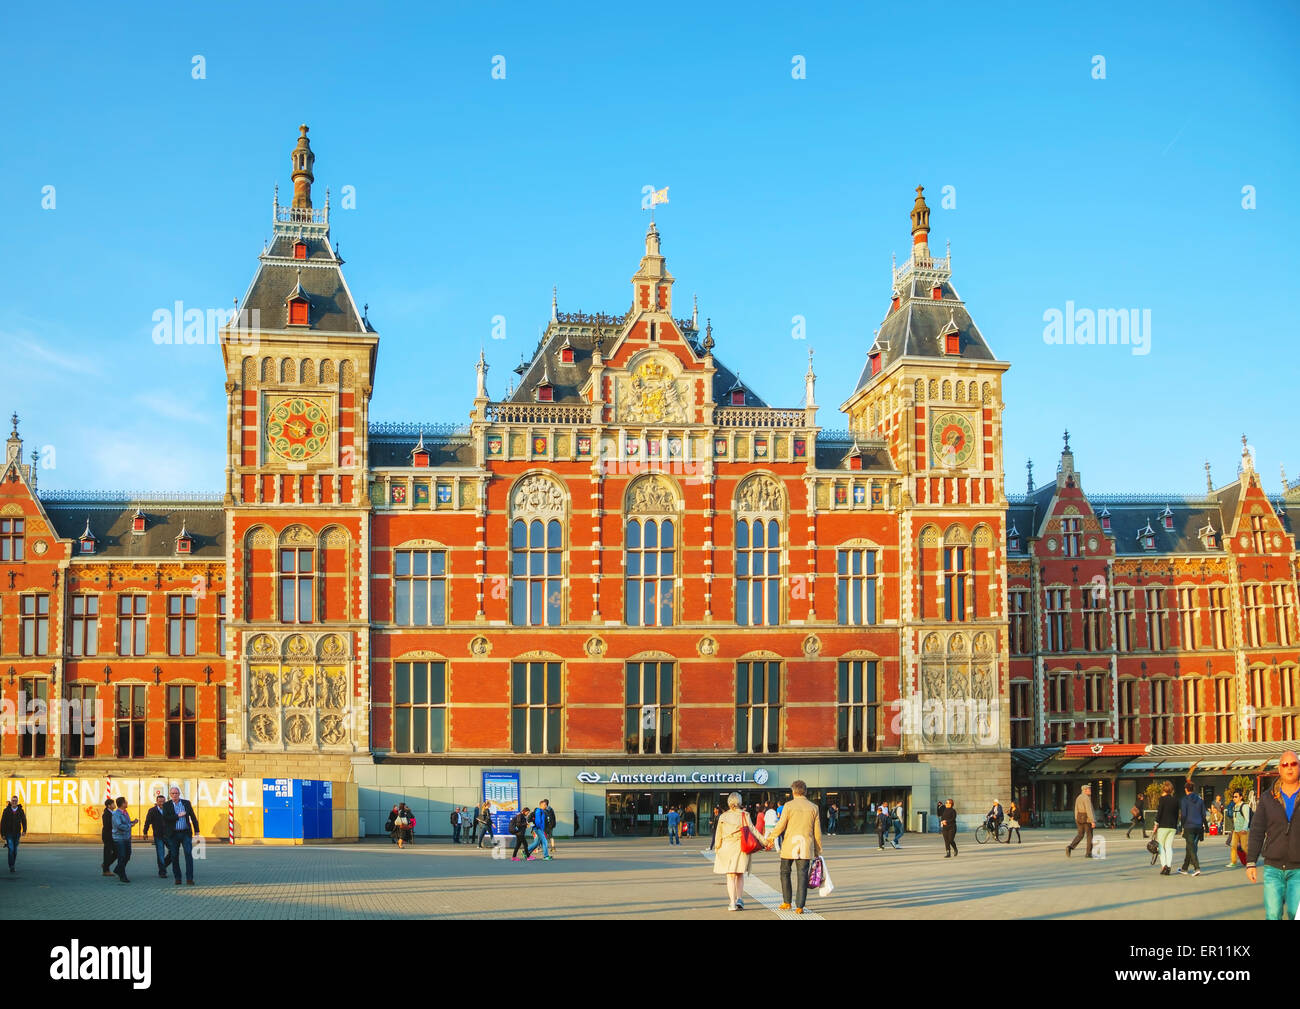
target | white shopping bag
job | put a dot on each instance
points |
(827, 886)
(1099, 846)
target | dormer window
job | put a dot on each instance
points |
(952, 343)
(420, 454)
(1167, 517)
(300, 249)
(738, 397)
(298, 312)
(184, 542)
(875, 363)
(1147, 537)
(936, 292)
(137, 522)
(1013, 543)
(546, 393)
(1105, 518)
(86, 542)
(1148, 543)
(566, 355)
(895, 302)
(1209, 538)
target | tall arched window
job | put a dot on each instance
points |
(759, 510)
(536, 555)
(651, 568)
(651, 572)
(537, 505)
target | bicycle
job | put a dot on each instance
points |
(985, 830)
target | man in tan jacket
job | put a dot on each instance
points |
(1084, 818)
(801, 823)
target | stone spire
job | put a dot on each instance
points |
(14, 446)
(302, 159)
(920, 226)
(695, 311)
(810, 380)
(1209, 481)
(555, 302)
(1029, 469)
(1247, 460)
(652, 284)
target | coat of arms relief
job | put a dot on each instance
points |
(650, 394)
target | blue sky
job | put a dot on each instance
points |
(474, 195)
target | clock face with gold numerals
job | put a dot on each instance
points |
(952, 440)
(297, 429)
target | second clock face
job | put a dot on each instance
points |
(952, 440)
(297, 429)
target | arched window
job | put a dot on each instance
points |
(758, 571)
(651, 572)
(536, 559)
(651, 564)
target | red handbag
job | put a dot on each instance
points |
(750, 841)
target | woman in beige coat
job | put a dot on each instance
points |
(730, 858)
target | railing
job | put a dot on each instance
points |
(592, 318)
(538, 413)
(937, 264)
(759, 416)
(132, 497)
(1099, 500)
(300, 215)
(402, 428)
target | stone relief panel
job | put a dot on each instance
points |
(298, 690)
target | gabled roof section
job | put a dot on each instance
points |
(108, 519)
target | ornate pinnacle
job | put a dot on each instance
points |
(1209, 482)
(14, 421)
(708, 335)
(1029, 467)
(1067, 440)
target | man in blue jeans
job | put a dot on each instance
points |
(155, 820)
(674, 826)
(13, 825)
(1191, 814)
(181, 827)
(1273, 842)
(539, 818)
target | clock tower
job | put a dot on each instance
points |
(932, 389)
(299, 359)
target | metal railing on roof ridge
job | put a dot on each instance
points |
(130, 497)
(412, 429)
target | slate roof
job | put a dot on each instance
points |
(1130, 513)
(833, 453)
(110, 522)
(391, 449)
(568, 379)
(912, 330)
(332, 308)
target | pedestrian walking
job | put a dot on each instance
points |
(1166, 826)
(1239, 835)
(948, 827)
(402, 825)
(1229, 823)
(730, 858)
(689, 818)
(832, 819)
(898, 823)
(455, 825)
(1273, 842)
(800, 828)
(1191, 813)
(484, 820)
(770, 815)
(519, 828)
(13, 825)
(882, 824)
(155, 820)
(122, 824)
(1013, 822)
(673, 823)
(539, 821)
(181, 825)
(106, 836)
(1085, 818)
(550, 828)
(1136, 820)
(713, 841)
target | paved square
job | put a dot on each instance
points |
(631, 879)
